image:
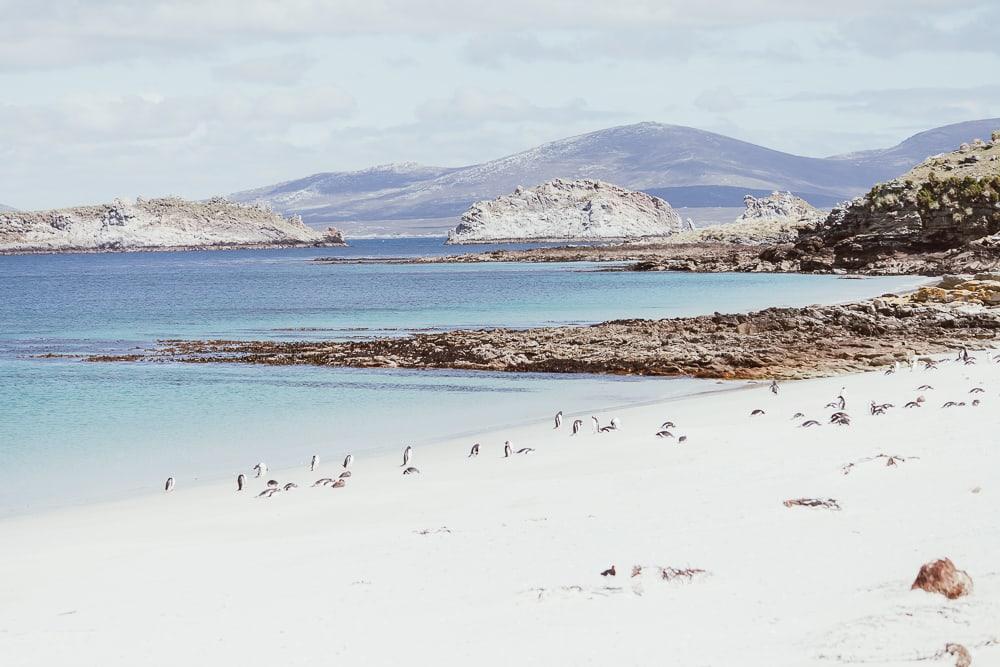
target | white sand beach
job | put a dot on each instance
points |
(493, 561)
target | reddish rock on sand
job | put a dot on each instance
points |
(941, 576)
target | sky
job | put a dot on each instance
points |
(109, 98)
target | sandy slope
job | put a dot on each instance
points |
(508, 572)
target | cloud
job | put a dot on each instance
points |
(475, 105)
(718, 100)
(282, 70)
(935, 104)
(94, 120)
(65, 33)
(964, 32)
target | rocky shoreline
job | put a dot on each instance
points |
(782, 343)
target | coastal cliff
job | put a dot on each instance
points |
(156, 224)
(943, 216)
(558, 210)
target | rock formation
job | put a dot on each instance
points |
(585, 210)
(777, 218)
(943, 215)
(156, 224)
(941, 576)
(789, 343)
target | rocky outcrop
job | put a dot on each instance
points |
(772, 343)
(983, 288)
(580, 210)
(156, 224)
(941, 576)
(943, 215)
(778, 218)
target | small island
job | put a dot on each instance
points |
(157, 224)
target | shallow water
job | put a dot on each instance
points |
(73, 431)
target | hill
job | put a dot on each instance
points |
(671, 161)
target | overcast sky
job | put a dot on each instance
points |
(114, 98)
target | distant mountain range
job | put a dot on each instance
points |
(4, 207)
(684, 165)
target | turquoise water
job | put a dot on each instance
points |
(73, 431)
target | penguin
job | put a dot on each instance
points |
(241, 481)
(348, 460)
(683, 438)
(610, 572)
(507, 450)
(798, 415)
(811, 422)
(267, 493)
(409, 471)
(559, 419)
(323, 482)
(977, 390)
(757, 412)
(664, 434)
(341, 483)
(272, 483)
(577, 425)
(314, 463)
(260, 469)
(169, 486)
(668, 424)
(407, 455)
(474, 451)
(615, 423)
(290, 486)
(525, 450)
(774, 387)
(344, 475)
(597, 424)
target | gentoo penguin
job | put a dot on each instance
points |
(409, 471)
(474, 451)
(559, 419)
(323, 482)
(267, 493)
(272, 483)
(615, 423)
(241, 481)
(977, 390)
(260, 469)
(774, 387)
(798, 415)
(344, 475)
(577, 425)
(664, 434)
(407, 455)
(507, 450)
(314, 463)
(169, 486)
(811, 422)
(348, 460)
(290, 486)
(597, 424)
(525, 450)
(683, 438)
(756, 412)
(668, 424)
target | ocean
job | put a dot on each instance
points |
(74, 432)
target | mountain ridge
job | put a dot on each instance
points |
(651, 157)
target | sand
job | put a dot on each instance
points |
(493, 561)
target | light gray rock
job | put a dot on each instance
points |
(152, 224)
(558, 210)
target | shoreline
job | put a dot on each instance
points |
(498, 548)
(217, 480)
(184, 248)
